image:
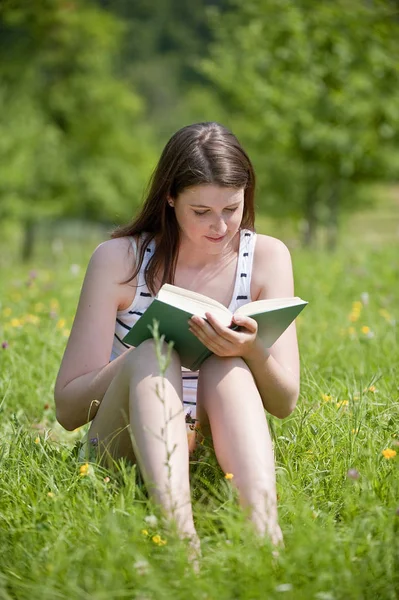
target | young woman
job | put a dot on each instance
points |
(195, 230)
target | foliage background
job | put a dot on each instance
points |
(90, 91)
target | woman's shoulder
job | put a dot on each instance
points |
(117, 256)
(272, 260)
(267, 247)
(115, 250)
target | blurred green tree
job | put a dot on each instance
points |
(162, 43)
(72, 140)
(311, 89)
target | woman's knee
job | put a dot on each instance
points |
(223, 377)
(219, 366)
(145, 359)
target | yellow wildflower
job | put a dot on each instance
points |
(356, 397)
(384, 313)
(144, 531)
(7, 311)
(229, 476)
(326, 397)
(34, 319)
(84, 469)
(342, 403)
(372, 389)
(37, 440)
(356, 310)
(61, 324)
(50, 494)
(54, 304)
(16, 323)
(158, 540)
(388, 453)
(355, 430)
(365, 329)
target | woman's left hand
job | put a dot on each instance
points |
(223, 341)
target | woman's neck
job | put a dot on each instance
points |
(193, 258)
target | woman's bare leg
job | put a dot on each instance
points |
(229, 403)
(133, 422)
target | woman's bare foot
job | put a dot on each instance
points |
(275, 534)
(194, 554)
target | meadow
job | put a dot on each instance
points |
(74, 530)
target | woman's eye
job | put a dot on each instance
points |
(230, 210)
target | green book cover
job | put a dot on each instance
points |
(273, 317)
(173, 324)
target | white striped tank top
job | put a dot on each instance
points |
(125, 319)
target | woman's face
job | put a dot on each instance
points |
(209, 215)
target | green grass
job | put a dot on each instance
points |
(85, 539)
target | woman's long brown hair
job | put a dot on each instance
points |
(203, 153)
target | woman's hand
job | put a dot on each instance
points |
(223, 341)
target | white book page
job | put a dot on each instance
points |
(193, 302)
(270, 304)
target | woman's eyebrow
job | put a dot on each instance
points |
(204, 205)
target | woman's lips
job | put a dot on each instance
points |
(219, 239)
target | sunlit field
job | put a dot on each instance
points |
(71, 529)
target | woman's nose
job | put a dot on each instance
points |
(220, 226)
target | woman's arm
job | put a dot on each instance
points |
(78, 401)
(278, 387)
(85, 372)
(275, 370)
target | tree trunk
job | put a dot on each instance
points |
(309, 233)
(333, 206)
(28, 241)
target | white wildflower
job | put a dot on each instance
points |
(151, 520)
(284, 587)
(74, 269)
(365, 298)
(141, 566)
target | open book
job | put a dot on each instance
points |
(173, 307)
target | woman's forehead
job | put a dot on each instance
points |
(211, 194)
